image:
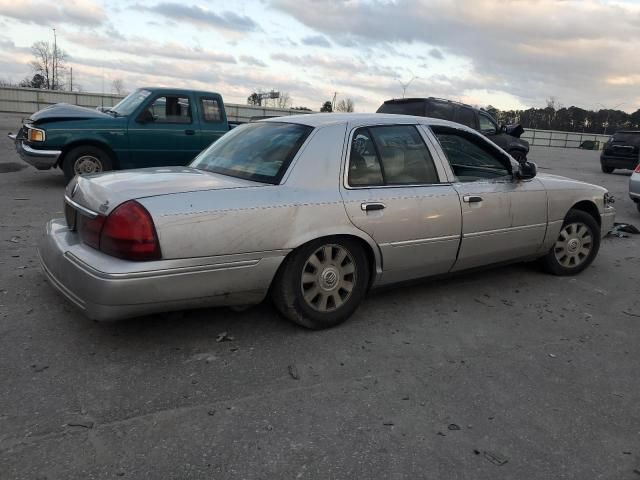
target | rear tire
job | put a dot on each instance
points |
(576, 247)
(606, 169)
(85, 160)
(638, 206)
(321, 284)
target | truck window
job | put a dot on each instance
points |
(403, 108)
(487, 126)
(170, 109)
(437, 109)
(210, 110)
(466, 117)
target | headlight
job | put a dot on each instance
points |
(35, 135)
(609, 200)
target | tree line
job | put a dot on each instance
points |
(572, 119)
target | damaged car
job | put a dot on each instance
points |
(506, 137)
(313, 212)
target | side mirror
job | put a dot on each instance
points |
(526, 170)
(145, 117)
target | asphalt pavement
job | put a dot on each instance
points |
(507, 373)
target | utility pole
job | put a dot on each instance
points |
(55, 55)
(608, 113)
(406, 85)
(71, 80)
(333, 103)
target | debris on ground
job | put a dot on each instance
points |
(619, 230)
(631, 314)
(387, 424)
(15, 240)
(39, 368)
(495, 458)
(224, 337)
(552, 355)
(453, 426)
(211, 413)
(81, 423)
(293, 372)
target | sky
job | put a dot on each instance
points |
(506, 53)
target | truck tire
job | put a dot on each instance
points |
(606, 169)
(85, 160)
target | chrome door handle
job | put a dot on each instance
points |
(471, 199)
(370, 207)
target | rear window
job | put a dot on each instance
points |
(403, 108)
(255, 151)
(632, 138)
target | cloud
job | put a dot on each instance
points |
(202, 16)
(316, 41)
(46, 12)
(138, 46)
(531, 49)
(252, 61)
(436, 53)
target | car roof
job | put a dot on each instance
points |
(318, 120)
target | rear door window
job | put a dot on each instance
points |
(170, 109)
(403, 108)
(210, 110)
(467, 117)
(390, 155)
(439, 109)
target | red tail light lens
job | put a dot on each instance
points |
(89, 229)
(128, 232)
(637, 170)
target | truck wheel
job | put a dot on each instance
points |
(84, 160)
(322, 283)
(518, 155)
(606, 169)
(576, 247)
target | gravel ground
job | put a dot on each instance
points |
(503, 374)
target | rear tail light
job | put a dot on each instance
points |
(128, 232)
(637, 170)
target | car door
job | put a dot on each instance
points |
(502, 218)
(213, 122)
(165, 132)
(396, 192)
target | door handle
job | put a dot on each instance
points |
(471, 199)
(370, 207)
(190, 132)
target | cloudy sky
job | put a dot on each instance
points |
(508, 53)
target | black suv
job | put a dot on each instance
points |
(621, 151)
(506, 137)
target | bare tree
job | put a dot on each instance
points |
(49, 62)
(345, 105)
(118, 86)
(283, 101)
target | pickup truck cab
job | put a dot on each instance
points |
(151, 127)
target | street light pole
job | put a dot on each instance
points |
(55, 54)
(606, 123)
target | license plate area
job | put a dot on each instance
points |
(71, 215)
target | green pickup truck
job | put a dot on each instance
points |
(150, 127)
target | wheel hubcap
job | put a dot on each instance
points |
(574, 245)
(328, 278)
(87, 164)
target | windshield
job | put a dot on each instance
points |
(127, 105)
(255, 151)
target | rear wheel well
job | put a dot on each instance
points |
(588, 207)
(371, 258)
(94, 143)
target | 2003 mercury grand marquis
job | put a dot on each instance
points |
(314, 210)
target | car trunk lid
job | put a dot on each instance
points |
(102, 193)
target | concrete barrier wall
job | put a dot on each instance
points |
(555, 138)
(30, 100)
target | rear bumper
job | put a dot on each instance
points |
(619, 162)
(40, 159)
(130, 289)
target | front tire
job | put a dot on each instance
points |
(576, 247)
(84, 160)
(606, 169)
(322, 283)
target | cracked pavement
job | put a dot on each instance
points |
(537, 370)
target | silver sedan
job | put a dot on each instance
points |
(634, 187)
(313, 211)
